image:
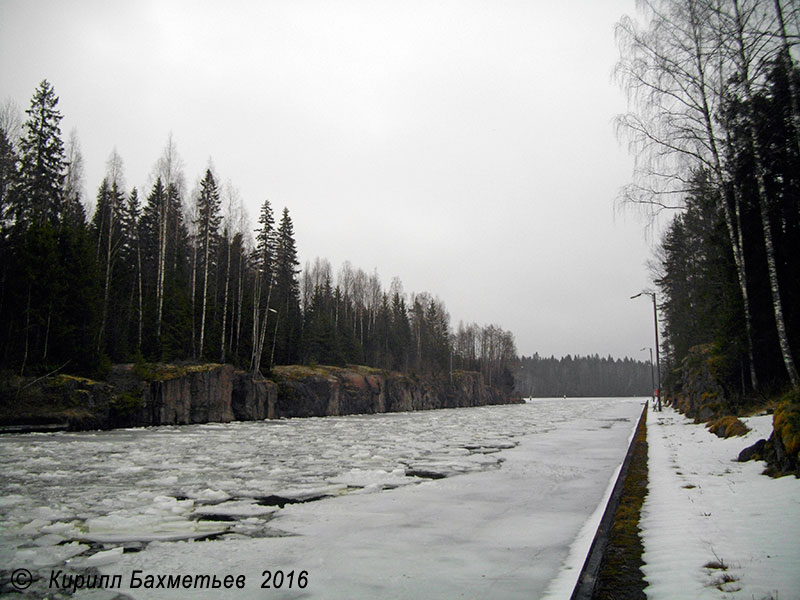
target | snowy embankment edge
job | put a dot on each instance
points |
(711, 525)
(564, 584)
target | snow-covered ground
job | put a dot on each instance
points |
(474, 503)
(704, 510)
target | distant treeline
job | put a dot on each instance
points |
(581, 376)
(173, 273)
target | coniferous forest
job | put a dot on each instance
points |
(715, 121)
(582, 376)
(170, 273)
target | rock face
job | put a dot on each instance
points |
(155, 394)
(184, 395)
(700, 394)
(253, 399)
(328, 391)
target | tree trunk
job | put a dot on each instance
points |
(206, 251)
(27, 332)
(730, 216)
(47, 331)
(240, 291)
(748, 318)
(162, 262)
(263, 335)
(107, 283)
(794, 93)
(256, 302)
(763, 205)
(225, 302)
(139, 282)
(194, 299)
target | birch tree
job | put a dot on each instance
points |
(74, 179)
(169, 176)
(676, 83)
(746, 30)
(232, 220)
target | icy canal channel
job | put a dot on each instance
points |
(462, 503)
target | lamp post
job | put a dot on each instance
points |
(658, 362)
(652, 373)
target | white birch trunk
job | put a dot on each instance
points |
(162, 261)
(206, 251)
(107, 283)
(256, 302)
(763, 205)
(225, 302)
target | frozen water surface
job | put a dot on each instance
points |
(435, 504)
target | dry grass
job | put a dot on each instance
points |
(620, 573)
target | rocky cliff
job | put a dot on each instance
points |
(327, 391)
(697, 390)
(154, 394)
(174, 395)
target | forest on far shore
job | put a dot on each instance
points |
(177, 274)
(582, 376)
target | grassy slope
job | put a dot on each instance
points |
(620, 572)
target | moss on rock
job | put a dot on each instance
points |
(727, 426)
(786, 423)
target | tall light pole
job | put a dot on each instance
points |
(652, 373)
(658, 362)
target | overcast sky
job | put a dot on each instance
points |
(465, 147)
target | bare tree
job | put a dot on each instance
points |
(74, 179)
(677, 82)
(113, 185)
(11, 121)
(169, 170)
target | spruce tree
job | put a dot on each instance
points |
(288, 317)
(263, 262)
(42, 162)
(208, 221)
